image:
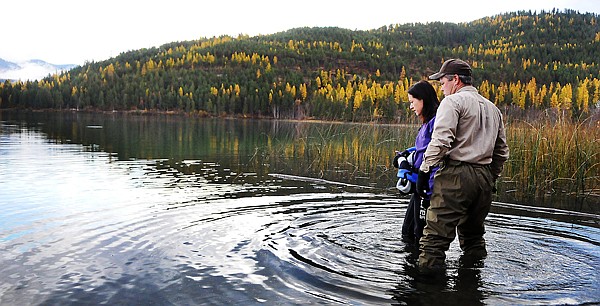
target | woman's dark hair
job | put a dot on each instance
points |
(422, 90)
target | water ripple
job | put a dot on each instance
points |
(80, 227)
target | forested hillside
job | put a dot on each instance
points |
(523, 61)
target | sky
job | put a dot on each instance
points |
(76, 31)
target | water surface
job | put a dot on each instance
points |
(170, 211)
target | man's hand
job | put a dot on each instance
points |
(423, 184)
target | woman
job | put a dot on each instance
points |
(424, 102)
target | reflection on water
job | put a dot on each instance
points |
(91, 214)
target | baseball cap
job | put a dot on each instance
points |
(452, 66)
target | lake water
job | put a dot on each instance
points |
(166, 210)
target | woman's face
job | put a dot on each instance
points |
(416, 105)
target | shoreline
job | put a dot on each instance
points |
(200, 115)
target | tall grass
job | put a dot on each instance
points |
(546, 158)
(354, 153)
(553, 158)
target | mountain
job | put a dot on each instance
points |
(4, 65)
(522, 61)
(32, 70)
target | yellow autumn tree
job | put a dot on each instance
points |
(582, 95)
(531, 90)
(358, 98)
(501, 92)
(554, 102)
(541, 95)
(566, 96)
(349, 92)
(303, 92)
(596, 95)
(236, 90)
(484, 89)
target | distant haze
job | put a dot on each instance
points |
(29, 70)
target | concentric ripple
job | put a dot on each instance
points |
(80, 226)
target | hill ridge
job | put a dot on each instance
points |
(522, 61)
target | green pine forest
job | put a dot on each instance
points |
(525, 62)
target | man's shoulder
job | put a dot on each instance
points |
(468, 89)
(471, 93)
(464, 96)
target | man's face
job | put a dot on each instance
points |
(448, 84)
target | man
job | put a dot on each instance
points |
(469, 144)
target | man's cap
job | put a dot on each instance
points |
(452, 66)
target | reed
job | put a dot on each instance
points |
(546, 158)
(354, 153)
(552, 158)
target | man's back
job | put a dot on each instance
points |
(466, 128)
